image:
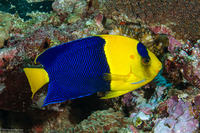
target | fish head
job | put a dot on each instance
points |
(145, 66)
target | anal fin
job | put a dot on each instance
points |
(113, 94)
(59, 92)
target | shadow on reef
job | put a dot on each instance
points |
(73, 113)
(24, 120)
(22, 7)
(81, 108)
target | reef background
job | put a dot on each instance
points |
(170, 29)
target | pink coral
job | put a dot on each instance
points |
(180, 119)
(160, 29)
(173, 43)
(183, 62)
(127, 99)
(6, 55)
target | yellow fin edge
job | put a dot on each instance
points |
(37, 77)
(113, 94)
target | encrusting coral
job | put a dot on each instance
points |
(180, 16)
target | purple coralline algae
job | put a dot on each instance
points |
(179, 120)
(183, 62)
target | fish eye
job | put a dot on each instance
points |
(145, 61)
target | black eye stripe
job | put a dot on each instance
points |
(142, 50)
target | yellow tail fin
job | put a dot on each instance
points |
(37, 77)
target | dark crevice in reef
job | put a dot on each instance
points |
(24, 120)
(81, 108)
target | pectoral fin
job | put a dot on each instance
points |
(113, 94)
(114, 77)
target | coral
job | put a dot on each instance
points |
(161, 29)
(7, 56)
(5, 24)
(179, 120)
(196, 106)
(180, 16)
(71, 7)
(127, 99)
(99, 121)
(182, 65)
(169, 103)
(103, 121)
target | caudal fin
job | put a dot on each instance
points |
(37, 77)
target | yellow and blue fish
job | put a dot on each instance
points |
(82, 67)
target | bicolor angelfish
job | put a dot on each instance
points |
(79, 68)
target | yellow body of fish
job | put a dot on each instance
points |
(127, 71)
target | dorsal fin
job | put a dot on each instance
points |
(47, 56)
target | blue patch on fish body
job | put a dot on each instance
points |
(142, 50)
(75, 69)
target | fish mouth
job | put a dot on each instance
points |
(141, 81)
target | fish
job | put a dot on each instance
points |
(103, 63)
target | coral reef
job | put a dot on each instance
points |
(169, 29)
(103, 121)
(5, 24)
(182, 64)
(180, 118)
(74, 8)
(99, 121)
(180, 16)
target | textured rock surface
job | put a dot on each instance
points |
(180, 118)
(5, 24)
(181, 16)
